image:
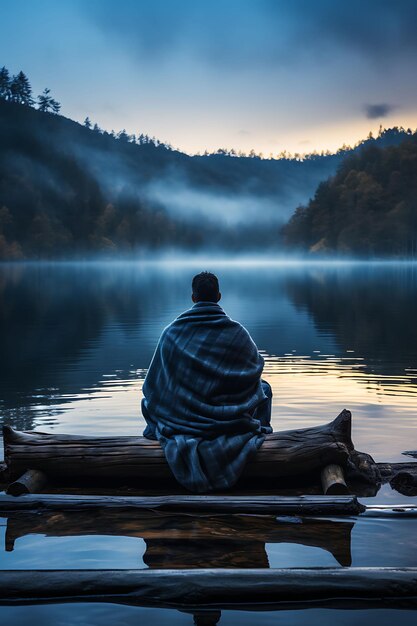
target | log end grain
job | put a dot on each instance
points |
(32, 481)
(333, 481)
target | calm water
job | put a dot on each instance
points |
(75, 344)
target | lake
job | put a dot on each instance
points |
(76, 340)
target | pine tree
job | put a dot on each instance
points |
(4, 83)
(87, 122)
(20, 90)
(123, 136)
(46, 103)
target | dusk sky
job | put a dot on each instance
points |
(263, 74)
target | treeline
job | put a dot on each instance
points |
(69, 190)
(369, 208)
(53, 206)
(19, 90)
(383, 137)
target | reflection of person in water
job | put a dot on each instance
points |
(204, 399)
(210, 617)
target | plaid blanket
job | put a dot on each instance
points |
(201, 394)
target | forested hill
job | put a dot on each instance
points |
(68, 190)
(368, 209)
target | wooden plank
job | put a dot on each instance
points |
(217, 588)
(267, 505)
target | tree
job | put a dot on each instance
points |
(46, 103)
(20, 90)
(87, 123)
(123, 136)
(4, 83)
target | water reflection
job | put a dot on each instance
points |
(191, 542)
(108, 615)
(128, 540)
(76, 341)
(369, 312)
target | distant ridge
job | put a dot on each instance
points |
(71, 191)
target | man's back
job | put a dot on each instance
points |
(200, 397)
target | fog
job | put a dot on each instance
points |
(83, 192)
(217, 198)
(242, 208)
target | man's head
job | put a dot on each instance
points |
(206, 288)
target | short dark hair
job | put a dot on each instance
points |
(206, 287)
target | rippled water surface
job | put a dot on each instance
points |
(76, 341)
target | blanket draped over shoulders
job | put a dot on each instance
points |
(200, 394)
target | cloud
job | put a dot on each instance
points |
(375, 111)
(249, 31)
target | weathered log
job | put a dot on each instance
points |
(286, 453)
(362, 468)
(32, 481)
(226, 540)
(212, 505)
(215, 588)
(266, 505)
(333, 480)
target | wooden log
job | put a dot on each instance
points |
(293, 588)
(237, 537)
(218, 505)
(362, 468)
(333, 480)
(286, 453)
(266, 505)
(32, 481)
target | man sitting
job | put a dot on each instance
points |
(204, 399)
